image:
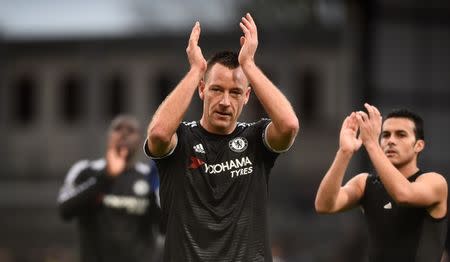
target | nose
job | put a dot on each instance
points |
(225, 101)
(391, 140)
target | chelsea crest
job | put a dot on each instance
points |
(238, 144)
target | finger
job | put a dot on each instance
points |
(376, 115)
(111, 154)
(346, 122)
(376, 110)
(363, 115)
(195, 34)
(370, 110)
(359, 118)
(246, 23)
(123, 152)
(250, 19)
(353, 123)
(251, 28)
(242, 40)
(244, 29)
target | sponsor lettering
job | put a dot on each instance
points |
(238, 167)
(132, 205)
(241, 172)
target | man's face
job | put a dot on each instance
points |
(124, 134)
(224, 94)
(398, 141)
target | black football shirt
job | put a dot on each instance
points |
(400, 233)
(214, 193)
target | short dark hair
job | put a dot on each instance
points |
(228, 59)
(415, 118)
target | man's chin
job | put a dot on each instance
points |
(397, 163)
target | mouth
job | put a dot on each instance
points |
(123, 143)
(390, 152)
(223, 114)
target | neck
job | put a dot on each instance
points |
(408, 169)
(216, 131)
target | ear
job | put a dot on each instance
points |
(247, 94)
(419, 146)
(201, 89)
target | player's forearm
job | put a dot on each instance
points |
(395, 183)
(328, 192)
(274, 102)
(172, 110)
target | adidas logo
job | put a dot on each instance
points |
(199, 148)
(388, 206)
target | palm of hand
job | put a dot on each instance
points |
(196, 58)
(247, 51)
(194, 51)
(371, 131)
(249, 42)
(349, 141)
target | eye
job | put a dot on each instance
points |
(215, 89)
(235, 93)
(385, 135)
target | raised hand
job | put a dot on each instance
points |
(194, 52)
(369, 124)
(249, 42)
(348, 139)
(116, 160)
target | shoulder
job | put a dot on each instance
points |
(254, 128)
(98, 164)
(358, 183)
(263, 122)
(88, 164)
(82, 166)
(142, 168)
(432, 175)
(191, 124)
(361, 179)
(433, 178)
(185, 128)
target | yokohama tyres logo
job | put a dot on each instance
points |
(235, 167)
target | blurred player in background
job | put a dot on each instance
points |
(115, 199)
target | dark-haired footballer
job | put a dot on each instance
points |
(405, 207)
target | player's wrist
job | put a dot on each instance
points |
(371, 145)
(248, 64)
(347, 152)
(197, 70)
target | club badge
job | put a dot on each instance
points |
(238, 144)
(141, 188)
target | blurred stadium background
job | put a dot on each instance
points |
(67, 67)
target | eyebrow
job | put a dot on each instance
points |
(237, 89)
(395, 131)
